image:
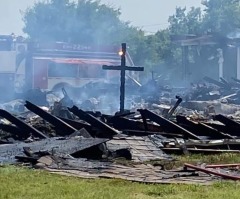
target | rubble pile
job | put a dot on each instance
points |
(65, 139)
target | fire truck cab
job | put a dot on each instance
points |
(28, 65)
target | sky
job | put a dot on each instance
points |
(150, 15)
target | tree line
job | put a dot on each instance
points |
(91, 22)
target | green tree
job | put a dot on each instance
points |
(221, 16)
(183, 22)
(49, 21)
(86, 22)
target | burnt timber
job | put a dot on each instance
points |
(106, 130)
(166, 124)
(26, 129)
(58, 123)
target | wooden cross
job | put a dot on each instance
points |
(123, 69)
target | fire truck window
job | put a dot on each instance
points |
(91, 71)
(62, 70)
(83, 71)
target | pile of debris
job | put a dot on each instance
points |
(211, 89)
(88, 144)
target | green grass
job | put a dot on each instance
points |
(23, 183)
(211, 159)
(224, 158)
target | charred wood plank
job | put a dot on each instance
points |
(27, 129)
(228, 122)
(124, 123)
(225, 82)
(103, 127)
(58, 123)
(214, 133)
(119, 114)
(12, 129)
(146, 133)
(82, 132)
(27, 159)
(189, 125)
(77, 124)
(202, 129)
(223, 128)
(54, 146)
(171, 111)
(166, 124)
(213, 81)
(145, 122)
(5, 141)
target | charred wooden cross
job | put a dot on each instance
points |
(123, 69)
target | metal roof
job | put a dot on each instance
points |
(197, 41)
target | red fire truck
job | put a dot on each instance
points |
(27, 65)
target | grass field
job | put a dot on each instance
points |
(23, 183)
